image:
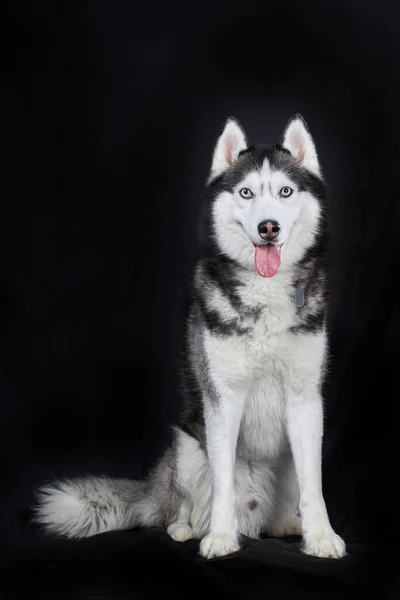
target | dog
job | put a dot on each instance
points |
(246, 457)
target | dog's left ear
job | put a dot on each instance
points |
(297, 139)
(230, 143)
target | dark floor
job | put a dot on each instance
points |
(148, 564)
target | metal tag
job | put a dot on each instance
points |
(298, 296)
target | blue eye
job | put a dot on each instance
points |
(246, 193)
(286, 192)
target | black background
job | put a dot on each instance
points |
(110, 113)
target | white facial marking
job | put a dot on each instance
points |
(266, 203)
(237, 218)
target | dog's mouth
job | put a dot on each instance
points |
(267, 258)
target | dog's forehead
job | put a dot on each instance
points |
(261, 163)
(267, 174)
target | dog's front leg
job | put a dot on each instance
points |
(305, 427)
(222, 416)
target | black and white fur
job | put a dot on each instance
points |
(247, 456)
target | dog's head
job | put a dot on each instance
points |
(266, 199)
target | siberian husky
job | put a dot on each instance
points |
(246, 458)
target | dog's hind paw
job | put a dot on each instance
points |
(292, 526)
(180, 532)
(219, 544)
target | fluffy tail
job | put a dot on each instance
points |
(88, 506)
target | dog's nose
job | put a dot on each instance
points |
(269, 230)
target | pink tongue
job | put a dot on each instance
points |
(267, 259)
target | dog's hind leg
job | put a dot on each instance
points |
(285, 519)
(193, 482)
(180, 530)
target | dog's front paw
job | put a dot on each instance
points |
(326, 544)
(219, 544)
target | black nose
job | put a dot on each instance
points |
(269, 230)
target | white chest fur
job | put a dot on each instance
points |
(261, 364)
(262, 431)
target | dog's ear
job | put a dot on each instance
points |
(297, 139)
(230, 143)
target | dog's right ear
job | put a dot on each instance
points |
(231, 142)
